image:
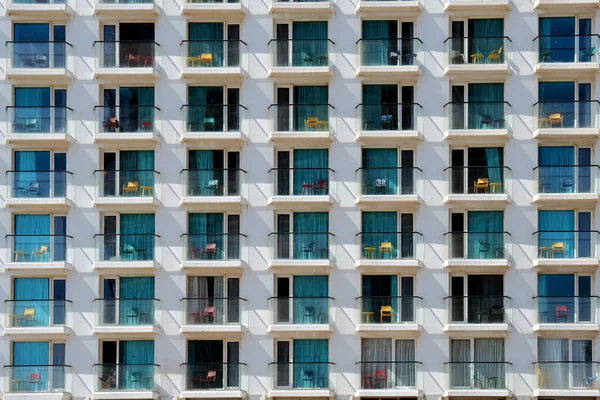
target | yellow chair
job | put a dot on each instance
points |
(386, 312)
(558, 247)
(42, 254)
(206, 58)
(481, 183)
(131, 187)
(556, 118)
(311, 122)
(495, 55)
(386, 247)
(29, 314)
(544, 377)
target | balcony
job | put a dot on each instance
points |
(477, 250)
(302, 251)
(48, 9)
(48, 382)
(566, 185)
(233, 9)
(126, 317)
(133, 188)
(389, 378)
(390, 251)
(301, 123)
(228, 380)
(481, 121)
(394, 187)
(214, 125)
(384, 8)
(299, 8)
(301, 60)
(127, 8)
(214, 188)
(214, 59)
(571, 379)
(479, 314)
(566, 313)
(302, 188)
(39, 190)
(386, 123)
(293, 316)
(126, 381)
(127, 125)
(472, 379)
(567, 120)
(478, 187)
(225, 316)
(389, 57)
(302, 379)
(206, 251)
(31, 318)
(126, 60)
(486, 7)
(484, 57)
(116, 253)
(39, 60)
(42, 125)
(389, 314)
(565, 56)
(42, 253)
(566, 249)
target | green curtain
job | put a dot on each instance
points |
(379, 173)
(492, 160)
(310, 167)
(556, 169)
(378, 42)
(311, 238)
(32, 178)
(136, 237)
(311, 305)
(136, 370)
(207, 38)
(486, 107)
(379, 227)
(205, 109)
(485, 35)
(557, 226)
(485, 237)
(310, 101)
(136, 166)
(136, 304)
(310, 363)
(202, 173)
(207, 228)
(310, 45)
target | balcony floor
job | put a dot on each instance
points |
(322, 8)
(216, 140)
(210, 74)
(212, 330)
(412, 329)
(394, 201)
(301, 393)
(126, 138)
(206, 266)
(213, 394)
(39, 203)
(216, 203)
(234, 10)
(46, 11)
(474, 71)
(566, 264)
(581, 136)
(383, 266)
(301, 330)
(565, 70)
(121, 330)
(379, 393)
(46, 74)
(317, 74)
(40, 139)
(478, 200)
(129, 267)
(36, 396)
(478, 330)
(301, 137)
(389, 136)
(470, 135)
(126, 395)
(130, 74)
(478, 265)
(471, 393)
(302, 266)
(135, 202)
(405, 72)
(32, 332)
(37, 268)
(122, 10)
(309, 202)
(565, 199)
(560, 329)
(384, 8)
(566, 393)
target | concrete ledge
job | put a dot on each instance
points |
(213, 394)
(126, 395)
(301, 393)
(566, 393)
(562, 328)
(118, 330)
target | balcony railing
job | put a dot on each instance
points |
(216, 53)
(301, 181)
(126, 183)
(212, 246)
(126, 247)
(389, 375)
(38, 184)
(301, 52)
(42, 248)
(389, 309)
(389, 245)
(567, 48)
(388, 51)
(213, 310)
(126, 53)
(125, 377)
(213, 182)
(477, 50)
(477, 115)
(301, 117)
(37, 378)
(566, 178)
(477, 309)
(478, 375)
(566, 309)
(38, 313)
(477, 245)
(302, 310)
(213, 117)
(302, 375)
(388, 116)
(388, 180)
(38, 119)
(578, 114)
(212, 376)
(560, 375)
(126, 119)
(301, 1)
(39, 54)
(566, 244)
(125, 312)
(301, 245)
(477, 180)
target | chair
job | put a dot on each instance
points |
(485, 121)
(456, 57)
(206, 58)
(556, 119)
(210, 378)
(129, 252)
(306, 58)
(386, 248)
(130, 188)
(497, 313)
(34, 189)
(311, 122)
(28, 315)
(132, 60)
(107, 382)
(561, 312)
(558, 247)
(381, 186)
(495, 55)
(309, 314)
(544, 377)
(321, 185)
(208, 123)
(592, 53)
(308, 376)
(308, 249)
(212, 185)
(31, 124)
(146, 126)
(111, 124)
(210, 249)
(132, 313)
(386, 312)
(42, 254)
(481, 184)
(484, 247)
(208, 314)
(34, 379)
(566, 185)
(380, 375)
(590, 382)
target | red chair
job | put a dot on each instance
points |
(321, 185)
(561, 312)
(133, 60)
(111, 124)
(146, 126)
(211, 248)
(34, 379)
(211, 377)
(208, 313)
(381, 375)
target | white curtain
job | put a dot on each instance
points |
(553, 375)
(197, 295)
(405, 363)
(489, 370)
(460, 357)
(376, 356)
(581, 355)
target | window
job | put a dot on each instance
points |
(565, 234)
(309, 173)
(217, 362)
(127, 109)
(39, 174)
(213, 236)
(301, 299)
(484, 108)
(308, 45)
(38, 45)
(388, 299)
(381, 238)
(565, 363)
(128, 173)
(389, 42)
(213, 44)
(39, 110)
(477, 364)
(38, 367)
(213, 109)
(308, 238)
(483, 41)
(388, 363)
(566, 39)
(38, 302)
(388, 171)
(476, 299)
(39, 238)
(477, 170)
(483, 232)
(213, 173)
(134, 241)
(126, 301)
(302, 108)
(565, 105)
(126, 45)
(126, 365)
(388, 108)
(212, 300)
(565, 298)
(302, 363)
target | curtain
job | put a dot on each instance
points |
(206, 229)
(32, 44)
(489, 370)
(205, 175)
(310, 363)
(136, 107)
(550, 349)
(556, 169)
(310, 101)
(32, 113)
(582, 367)
(136, 166)
(136, 304)
(311, 304)
(460, 359)
(311, 237)
(32, 178)
(558, 98)
(137, 237)
(32, 232)
(33, 294)
(205, 356)
(485, 35)
(555, 227)
(406, 371)
(205, 109)
(136, 370)
(378, 42)
(380, 107)
(485, 235)
(492, 159)
(557, 39)
(379, 227)
(198, 293)
(379, 173)
(310, 168)
(310, 45)
(207, 38)
(379, 291)
(486, 107)
(556, 292)
(376, 355)
(31, 358)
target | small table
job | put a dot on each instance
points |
(495, 187)
(368, 315)
(366, 379)
(543, 122)
(146, 189)
(322, 125)
(18, 382)
(307, 189)
(545, 251)
(20, 253)
(370, 252)
(476, 58)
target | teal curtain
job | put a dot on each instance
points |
(32, 178)
(33, 293)
(486, 107)
(310, 368)
(137, 237)
(136, 166)
(136, 106)
(136, 371)
(207, 38)
(136, 306)
(31, 358)
(311, 238)
(378, 42)
(206, 174)
(32, 113)
(492, 159)
(311, 305)
(310, 167)
(379, 173)
(32, 231)
(556, 169)
(205, 108)
(310, 101)
(557, 39)
(207, 228)
(485, 35)
(380, 107)
(379, 227)
(557, 226)
(485, 237)
(309, 46)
